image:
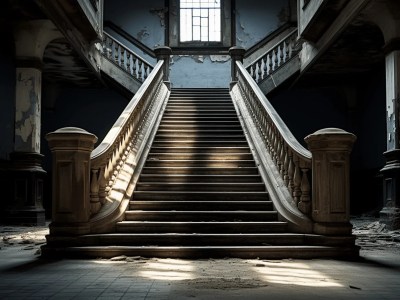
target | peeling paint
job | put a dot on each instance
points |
(160, 12)
(27, 110)
(220, 58)
(142, 34)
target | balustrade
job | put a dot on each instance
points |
(126, 59)
(292, 160)
(274, 58)
(108, 159)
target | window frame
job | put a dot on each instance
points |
(197, 47)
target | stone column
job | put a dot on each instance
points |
(71, 148)
(26, 173)
(390, 214)
(330, 150)
(164, 53)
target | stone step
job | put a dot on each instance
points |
(200, 186)
(199, 156)
(200, 150)
(198, 178)
(205, 143)
(200, 163)
(201, 227)
(246, 252)
(201, 170)
(233, 216)
(198, 132)
(202, 126)
(198, 138)
(210, 122)
(200, 205)
(188, 239)
(200, 196)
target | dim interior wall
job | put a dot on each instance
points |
(255, 19)
(307, 110)
(7, 96)
(94, 110)
(143, 20)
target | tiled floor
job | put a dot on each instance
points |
(24, 276)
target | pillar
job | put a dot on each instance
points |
(71, 148)
(164, 53)
(237, 54)
(390, 213)
(330, 150)
(26, 175)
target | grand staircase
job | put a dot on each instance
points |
(200, 194)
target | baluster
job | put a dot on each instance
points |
(147, 72)
(134, 67)
(285, 168)
(265, 70)
(109, 49)
(140, 71)
(290, 46)
(305, 204)
(116, 53)
(270, 57)
(281, 54)
(285, 51)
(259, 70)
(123, 51)
(102, 185)
(297, 183)
(275, 60)
(291, 173)
(95, 204)
(128, 62)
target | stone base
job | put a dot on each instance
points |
(390, 216)
(35, 217)
(69, 229)
(342, 229)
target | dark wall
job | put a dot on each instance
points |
(7, 96)
(359, 109)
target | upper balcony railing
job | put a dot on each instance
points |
(126, 59)
(275, 57)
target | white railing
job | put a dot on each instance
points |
(274, 58)
(125, 59)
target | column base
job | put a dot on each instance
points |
(390, 213)
(24, 181)
(342, 229)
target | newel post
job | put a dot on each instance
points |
(71, 148)
(237, 54)
(331, 148)
(164, 53)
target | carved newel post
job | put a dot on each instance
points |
(164, 53)
(237, 54)
(71, 148)
(331, 148)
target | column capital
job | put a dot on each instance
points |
(392, 45)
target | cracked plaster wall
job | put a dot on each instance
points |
(255, 19)
(145, 20)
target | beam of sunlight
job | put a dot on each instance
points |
(171, 269)
(295, 274)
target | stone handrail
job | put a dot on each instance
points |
(109, 157)
(127, 60)
(286, 166)
(274, 58)
(292, 160)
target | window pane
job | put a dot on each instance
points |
(186, 25)
(196, 33)
(196, 21)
